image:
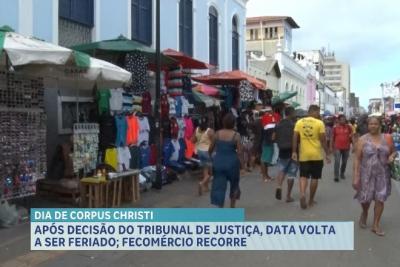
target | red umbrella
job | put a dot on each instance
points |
(230, 77)
(186, 61)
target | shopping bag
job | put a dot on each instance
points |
(395, 169)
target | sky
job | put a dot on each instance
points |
(365, 34)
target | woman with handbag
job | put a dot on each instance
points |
(374, 153)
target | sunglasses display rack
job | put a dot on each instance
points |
(22, 135)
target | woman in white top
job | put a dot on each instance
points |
(202, 138)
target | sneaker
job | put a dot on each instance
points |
(342, 177)
(278, 193)
(336, 180)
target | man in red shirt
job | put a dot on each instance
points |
(341, 140)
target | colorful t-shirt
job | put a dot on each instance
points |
(132, 135)
(103, 98)
(111, 158)
(144, 130)
(309, 130)
(116, 99)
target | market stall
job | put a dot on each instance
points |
(27, 64)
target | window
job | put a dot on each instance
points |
(251, 34)
(186, 26)
(256, 35)
(276, 32)
(142, 26)
(213, 36)
(235, 44)
(266, 33)
(270, 33)
(286, 86)
(80, 11)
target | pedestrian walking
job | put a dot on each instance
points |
(226, 147)
(202, 138)
(287, 167)
(257, 130)
(342, 135)
(311, 133)
(374, 152)
(268, 121)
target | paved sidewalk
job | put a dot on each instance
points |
(335, 203)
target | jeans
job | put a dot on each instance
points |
(341, 155)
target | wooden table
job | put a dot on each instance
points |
(92, 192)
(97, 193)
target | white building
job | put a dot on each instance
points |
(271, 37)
(326, 99)
(209, 30)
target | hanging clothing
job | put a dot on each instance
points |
(108, 130)
(111, 158)
(174, 128)
(134, 163)
(172, 106)
(132, 135)
(136, 63)
(116, 99)
(175, 153)
(145, 156)
(124, 157)
(146, 103)
(152, 134)
(144, 130)
(164, 106)
(103, 98)
(178, 106)
(190, 148)
(189, 127)
(246, 91)
(182, 126)
(122, 126)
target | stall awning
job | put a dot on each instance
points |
(282, 97)
(207, 100)
(186, 61)
(114, 48)
(33, 57)
(230, 78)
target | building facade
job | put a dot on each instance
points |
(337, 76)
(212, 30)
(264, 33)
(270, 38)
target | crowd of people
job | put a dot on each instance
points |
(299, 145)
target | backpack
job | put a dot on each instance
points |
(284, 134)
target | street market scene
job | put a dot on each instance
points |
(218, 104)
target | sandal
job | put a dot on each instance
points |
(303, 203)
(362, 224)
(288, 200)
(278, 194)
(378, 232)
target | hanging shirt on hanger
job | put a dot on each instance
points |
(116, 99)
(108, 131)
(144, 130)
(172, 106)
(111, 158)
(175, 153)
(124, 157)
(182, 126)
(103, 98)
(189, 127)
(122, 126)
(146, 103)
(132, 134)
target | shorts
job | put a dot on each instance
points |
(204, 157)
(267, 153)
(288, 167)
(311, 169)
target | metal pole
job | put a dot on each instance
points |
(158, 183)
